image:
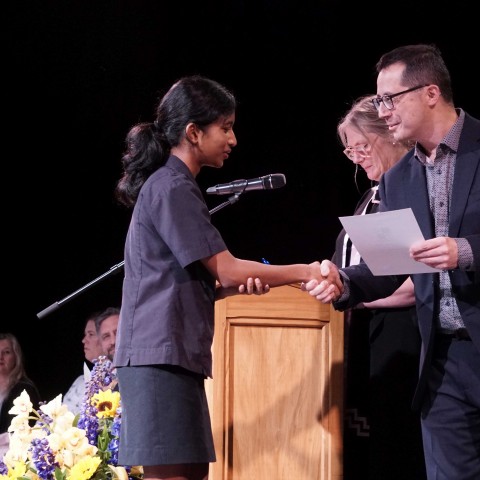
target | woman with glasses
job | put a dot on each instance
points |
(382, 435)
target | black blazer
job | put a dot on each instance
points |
(23, 384)
(362, 203)
(404, 186)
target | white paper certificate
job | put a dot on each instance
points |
(383, 240)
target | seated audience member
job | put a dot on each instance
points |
(92, 349)
(106, 324)
(13, 380)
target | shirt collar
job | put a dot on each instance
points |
(449, 141)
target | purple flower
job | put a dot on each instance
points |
(43, 459)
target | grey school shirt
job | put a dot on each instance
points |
(167, 310)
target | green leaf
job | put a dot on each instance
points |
(59, 475)
(75, 420)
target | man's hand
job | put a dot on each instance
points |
(439, 252)
(329, 287)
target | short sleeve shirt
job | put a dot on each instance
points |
(74, 397)
(167, 310)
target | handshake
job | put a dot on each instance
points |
(325, 283)
(328, 286)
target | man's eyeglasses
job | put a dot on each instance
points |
(360, 150)
(387, 100)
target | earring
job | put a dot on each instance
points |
(355, 177)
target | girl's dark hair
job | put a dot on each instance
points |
(192, 99)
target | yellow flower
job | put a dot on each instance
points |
(106, 402)
(84, 469)
(18, 470)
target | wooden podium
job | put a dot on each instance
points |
(276, 398)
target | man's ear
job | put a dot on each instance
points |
(191, 133)
(433, 93)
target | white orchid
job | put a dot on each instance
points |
(22, 405)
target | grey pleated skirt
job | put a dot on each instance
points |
(165, 417)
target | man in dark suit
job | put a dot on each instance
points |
(439, 179)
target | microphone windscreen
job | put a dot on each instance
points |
(277, 180)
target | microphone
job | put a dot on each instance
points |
(267, 182)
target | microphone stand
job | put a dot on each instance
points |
(116, 268)
(233, 199)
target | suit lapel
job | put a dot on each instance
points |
(465, 168)
(417, 197)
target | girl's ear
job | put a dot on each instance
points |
(191, 133)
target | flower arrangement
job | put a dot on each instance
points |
(62, 446)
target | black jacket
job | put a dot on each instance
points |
(23, 384)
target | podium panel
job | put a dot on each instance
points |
(277, 390)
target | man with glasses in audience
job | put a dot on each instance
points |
(439, 179)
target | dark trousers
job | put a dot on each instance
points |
(382, 434)
(451, 412)
(356, 428)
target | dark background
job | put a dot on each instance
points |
(80, 74)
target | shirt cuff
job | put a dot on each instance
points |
(465, 254)
(346, 288)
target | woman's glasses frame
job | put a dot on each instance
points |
(362, 151)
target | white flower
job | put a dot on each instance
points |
(17, 452)
(22, 405)
(55, 409)
(68, 451)
(20, 425)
